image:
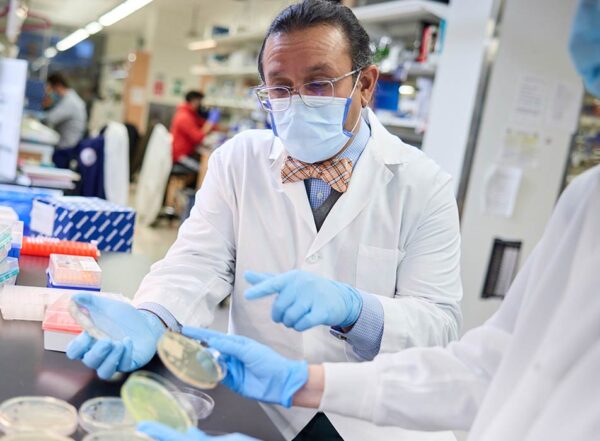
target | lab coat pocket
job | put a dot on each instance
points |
(376, 269)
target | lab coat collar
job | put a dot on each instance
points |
(371, 174)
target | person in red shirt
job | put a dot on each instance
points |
(188, 126)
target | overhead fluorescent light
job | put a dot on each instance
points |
(118, 13)
(50, 52)
(94, 27)
(72, 39)
(202, 45)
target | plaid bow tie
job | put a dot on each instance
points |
(334, 172)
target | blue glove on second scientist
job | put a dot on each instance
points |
(305, 300)
(142, 328)
(253, 369)
(161, 432)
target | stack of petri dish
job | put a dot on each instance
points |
(150, 397)
(47, 417)
(9, 266)
(106, 418)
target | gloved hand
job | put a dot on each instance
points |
(213, 115)
(584, 44)
(160, 432)
(141, 331)
(255, 370)
(305, 300)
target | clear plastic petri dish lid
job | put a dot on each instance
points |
(35, 436)
(97, 324)
(117, 435)
(150, 397)
(202, 403)
(105, 413)
(191, 361)
(45, 414)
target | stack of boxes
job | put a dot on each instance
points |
(11, 238)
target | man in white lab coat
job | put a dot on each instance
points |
(530, 373)
(328, 193)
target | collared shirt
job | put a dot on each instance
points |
(69, 118)
(318, 191)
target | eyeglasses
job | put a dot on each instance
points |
(313, 94)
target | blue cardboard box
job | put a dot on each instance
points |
(84, 220)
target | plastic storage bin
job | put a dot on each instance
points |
(5, 240)
(9, 270)
(58, 325)
(76, 272)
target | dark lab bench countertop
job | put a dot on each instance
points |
(27, 369)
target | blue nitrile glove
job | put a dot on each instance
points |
(213, 115)
(305, 300)
(160, 432)
(253, 369)
(141, 328)
(584, 44)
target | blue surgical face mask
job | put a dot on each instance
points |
(313, 134)
(584, 44)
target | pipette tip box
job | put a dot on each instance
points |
(74, 272)
(58, 326)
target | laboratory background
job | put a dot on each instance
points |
(110, 111)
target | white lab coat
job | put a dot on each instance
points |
(116, 163)
(530, 373)
(154, 175)
(394, 233)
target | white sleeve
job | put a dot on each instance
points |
(198, 270)
(426, 388)
(425, 310)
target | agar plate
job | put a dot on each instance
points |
(191, 361)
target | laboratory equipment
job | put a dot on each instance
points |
(27, 302)
(74, 272)
(190, 360)
(44, 246)
(44, 414)
(9, 270)
(105, 414)
(100, 326)
(60, 328)
(202, 403)
(150, 397)
(117, 435)
(5, 240)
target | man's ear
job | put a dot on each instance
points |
(368, 82)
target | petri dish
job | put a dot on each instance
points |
(202, 403)
(34, 436)
(190, 361)
(150, 397)
(96, 324)
(45, 414)
(105, 413)
(117, 435)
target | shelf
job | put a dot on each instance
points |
(245, 71)
(421, 70)
(230, 104)
(394, 121)
(226, 41)
(399, 11)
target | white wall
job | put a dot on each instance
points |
(533, 39)
(468, 36)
